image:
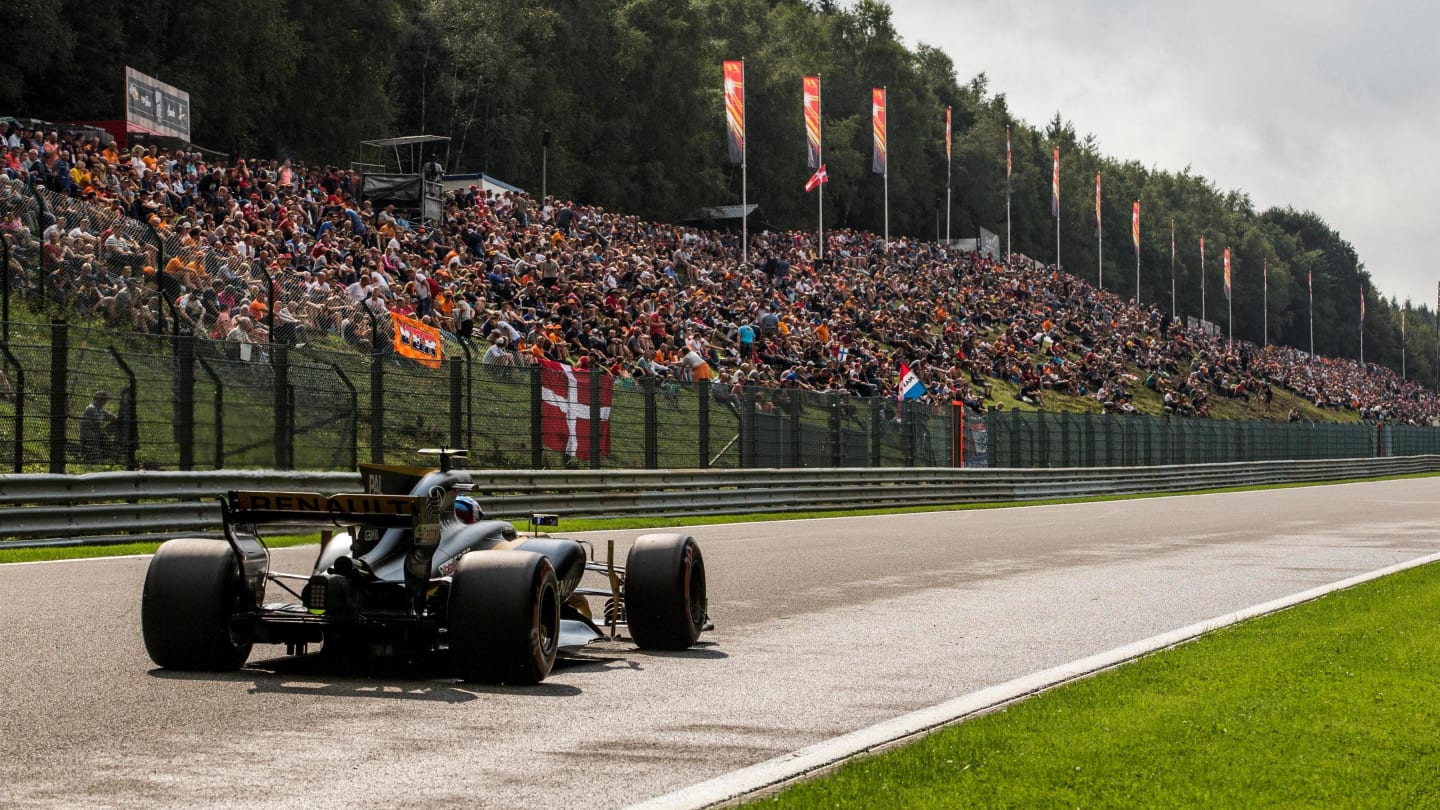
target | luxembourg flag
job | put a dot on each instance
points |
(910, 386)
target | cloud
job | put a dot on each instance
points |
(1329, 106)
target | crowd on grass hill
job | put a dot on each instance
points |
(601, 290)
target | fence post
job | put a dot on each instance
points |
(747, 427)
(185, 399)
(877, 425)
(833, 400)
(159, 276)
(907, 431)
(354, 430)
(1042, 434)
(284, 412)
(42, 213)
(469, 392)
(1149, 440)
(537, 435)
(18, 386)
(377, 391)
(126, 423)
(796, 406)
(595, 423)
(218, 406)
(59, 394)
(457, 382)
(1017, 428)
(702, 392)
(651, 423)
(5, 287)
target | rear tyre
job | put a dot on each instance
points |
(504, 617)
(665, 600)
(192, 591)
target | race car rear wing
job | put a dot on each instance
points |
(310, 508)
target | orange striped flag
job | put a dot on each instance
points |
(812, 121)
(1135, 226)
(879, 159)
(1227, 276)
(1055, 187)
(947, 133)
(734, 71)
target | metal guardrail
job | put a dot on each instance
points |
(107, 508)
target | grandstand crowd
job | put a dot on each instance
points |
(601, 290)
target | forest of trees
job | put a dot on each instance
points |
(631, 91)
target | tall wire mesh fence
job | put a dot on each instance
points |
(76, 398)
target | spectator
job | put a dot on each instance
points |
(95, 439)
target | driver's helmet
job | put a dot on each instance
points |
(467, 510)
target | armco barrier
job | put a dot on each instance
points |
(125, 507)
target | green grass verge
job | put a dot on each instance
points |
(661, 521)
(17, 555)
(1329, 704)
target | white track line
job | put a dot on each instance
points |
(832, 752)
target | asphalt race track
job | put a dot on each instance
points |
(823, 627)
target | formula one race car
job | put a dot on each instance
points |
(410, 574)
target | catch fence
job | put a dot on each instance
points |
(179, 402)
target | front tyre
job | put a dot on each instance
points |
(192, 591)
(504, 617)
(665, 600)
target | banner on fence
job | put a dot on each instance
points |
(565, 409)
(417, 340)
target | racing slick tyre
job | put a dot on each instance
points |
(504, 617)
(192, 590)
(665, 602)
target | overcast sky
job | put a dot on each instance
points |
(1323, 105)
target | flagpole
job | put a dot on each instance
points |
(1362, 321)
(1265, 302)
(744, 191)
(1402, 344)
(948, 175)
(1172, 270)
(1310, 278)
(1137, 254)
(1099, 239)
(1202, 279)
(887, 166)
(886, 90)
(822, 222)
(1010, 248)
(820, 155)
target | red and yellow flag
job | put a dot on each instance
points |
(1135, 226)
(417, 340)
(1227, 274)
(879, 160)
(947, 134)
(812, 121)
(734, 71)
(1055, 187)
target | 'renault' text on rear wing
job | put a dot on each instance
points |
(345, 509)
